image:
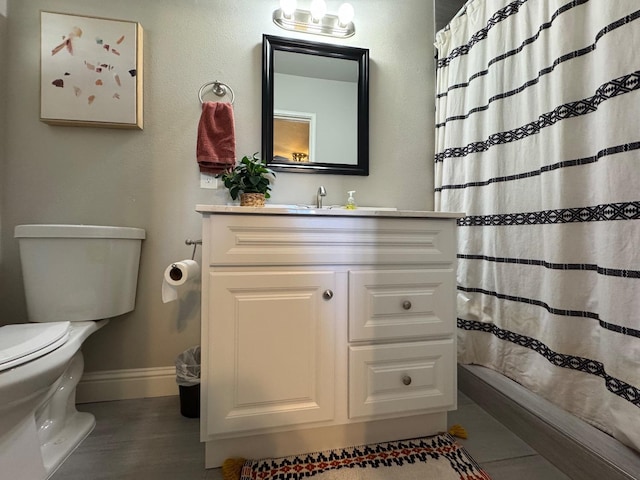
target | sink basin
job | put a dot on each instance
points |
(329, 207)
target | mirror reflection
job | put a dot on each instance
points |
(315, 107)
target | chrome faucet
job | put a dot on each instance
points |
(322, 192)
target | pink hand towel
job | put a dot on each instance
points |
(216, 147)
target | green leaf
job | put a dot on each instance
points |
(250, 175)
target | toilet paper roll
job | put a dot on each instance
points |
(176, 275)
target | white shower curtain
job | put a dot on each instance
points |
(538, 142)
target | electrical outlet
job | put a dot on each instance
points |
(208, 181)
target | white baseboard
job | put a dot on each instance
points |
(108, 385)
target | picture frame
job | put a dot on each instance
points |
(294, 136)
(90, 71)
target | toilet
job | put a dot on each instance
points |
(76, 277)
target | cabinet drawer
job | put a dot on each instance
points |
(306, 240)
(399, 378)
(396, 304)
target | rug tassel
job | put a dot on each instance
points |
(458, 431)
(231, 468)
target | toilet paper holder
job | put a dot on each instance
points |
(195, 244)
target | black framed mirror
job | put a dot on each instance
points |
(315, 107)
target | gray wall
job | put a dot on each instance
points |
(445, 10)
(149, 178)
(3, 109)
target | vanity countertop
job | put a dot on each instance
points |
(323, 212)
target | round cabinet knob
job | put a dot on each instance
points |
(406, 305)
(406, 379)
(328, 294)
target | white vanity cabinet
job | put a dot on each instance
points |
(324, 330)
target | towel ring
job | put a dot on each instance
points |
(219, 88)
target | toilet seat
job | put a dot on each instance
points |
(24, 342)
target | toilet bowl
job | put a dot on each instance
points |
(76, 277)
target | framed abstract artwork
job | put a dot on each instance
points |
(90, 71)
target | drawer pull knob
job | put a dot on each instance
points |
(328, 294)
(406, 305)
(406, 379)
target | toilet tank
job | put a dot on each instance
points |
(79, 272)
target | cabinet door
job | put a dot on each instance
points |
(271, 343)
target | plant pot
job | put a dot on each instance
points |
(252, 199)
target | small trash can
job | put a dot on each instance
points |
(188, 380)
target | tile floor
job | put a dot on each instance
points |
(149, 439)
(501, 453)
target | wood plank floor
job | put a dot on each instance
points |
(149, 439)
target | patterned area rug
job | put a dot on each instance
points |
(438, 457)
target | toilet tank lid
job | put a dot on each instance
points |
(77, 231)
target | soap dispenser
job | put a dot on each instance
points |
(351, 202)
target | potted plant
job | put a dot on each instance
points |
(250, 180)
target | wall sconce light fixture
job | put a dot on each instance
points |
(315, 20)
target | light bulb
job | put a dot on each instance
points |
(345, 13)
(318, 9)
(288, 7)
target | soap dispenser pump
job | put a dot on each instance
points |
(351, 202)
